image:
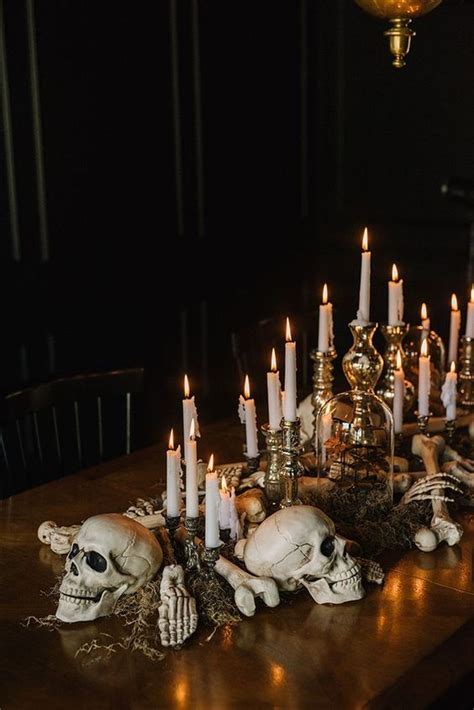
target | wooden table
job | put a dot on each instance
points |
(404, 645)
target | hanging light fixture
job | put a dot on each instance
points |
(400, 14)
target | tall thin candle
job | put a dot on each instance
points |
(248, 416)
(173, 492)
(274, 394)
(189, 413)
(395, 298)
(212, 506)
(454, 327)
(192, 496)
(363, 314)
(289, 411)
(470, 316)
(398, 395)
(449, 392)
(424, 381)
(325, 332)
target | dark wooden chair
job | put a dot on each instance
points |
(62, 426)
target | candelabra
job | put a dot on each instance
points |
(273, 439)
(190, 547)
(450, 429)
(354, 439)
(423, 421)
(290, 467)
(466, 374)
(210, 556)
(322, 380)
(393, 335)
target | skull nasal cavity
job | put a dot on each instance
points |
(74, 569)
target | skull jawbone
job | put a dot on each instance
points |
(71, 613)
(322, 593)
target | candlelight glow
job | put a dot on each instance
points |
(224, 485)
(210, 465)
(453, 367)
(454, 302)
(394, 273)
(365, 241)
(247, 387)
(273, 366)
(325, 294)
(288, 331)
(472, 293)
(399, 360)
(186, 387)
(424, 348)
(424, 311)
(192, 429)
(171, 440)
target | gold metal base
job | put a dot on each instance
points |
(290, 466)
(400, 36)
(273, 438)
(393, 335)
(322, 380)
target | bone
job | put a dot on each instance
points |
(442, 525)
(247, 587)
(402, 482)
(449, 454)
(178, 617)
(60, 538)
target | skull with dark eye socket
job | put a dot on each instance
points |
(111, 555)
(327, 546)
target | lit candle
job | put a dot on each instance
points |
(470, 316)
(454, 327)
(395, 299)
(235, 527)
(449, 392)
(274, 394)
(425, 321)
(248, 416)
(212, 506)
(192, 496)
(424, 381)
(363, 314)
(398, 394)
(173, 492)
(325, 334)
(189, 413)
(289, 409)
(224, 508)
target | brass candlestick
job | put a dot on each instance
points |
(450, 430)
(393, 335)
(322, 380)
(191, 550)
(423, 421)
(466, 375)
(273, 439)
(362, 364)
(290, 467)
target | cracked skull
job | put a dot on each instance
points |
(298, 546)
(111, 555)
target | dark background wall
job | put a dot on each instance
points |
(174, 172)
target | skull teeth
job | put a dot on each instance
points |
(78, 596)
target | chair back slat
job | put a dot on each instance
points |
(127, 435)
(38, 439)
(56, 435)
(78, 433)
(20, 443)
(100, 428)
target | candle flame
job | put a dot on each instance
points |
(472, 293)
(424, 311)
(186, 387)
(454, 302)
(394, 273)
(453, 367)
(192, 429)
(171, 440)
(365, 240)
(288, 331)
(325, 294)
(247, 387)
(399, 360)
(424, 348)
(224, 485)
(273, 365)
(210, 465)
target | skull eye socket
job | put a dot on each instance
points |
(74, 551)
(96, 561)
(327, 546)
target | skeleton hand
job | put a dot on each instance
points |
(177, 613)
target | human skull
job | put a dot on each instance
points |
(298, 546)
(111, 555)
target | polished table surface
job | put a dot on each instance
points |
(403, 645)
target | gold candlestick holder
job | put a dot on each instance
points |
(393, 335)
(423, 421)
(191, 550)
(362, 364)
(273, 439)
(466, 374)
(290, 466)
(323, 378)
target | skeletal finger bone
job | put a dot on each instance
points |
(431, 487)
(247, 588)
